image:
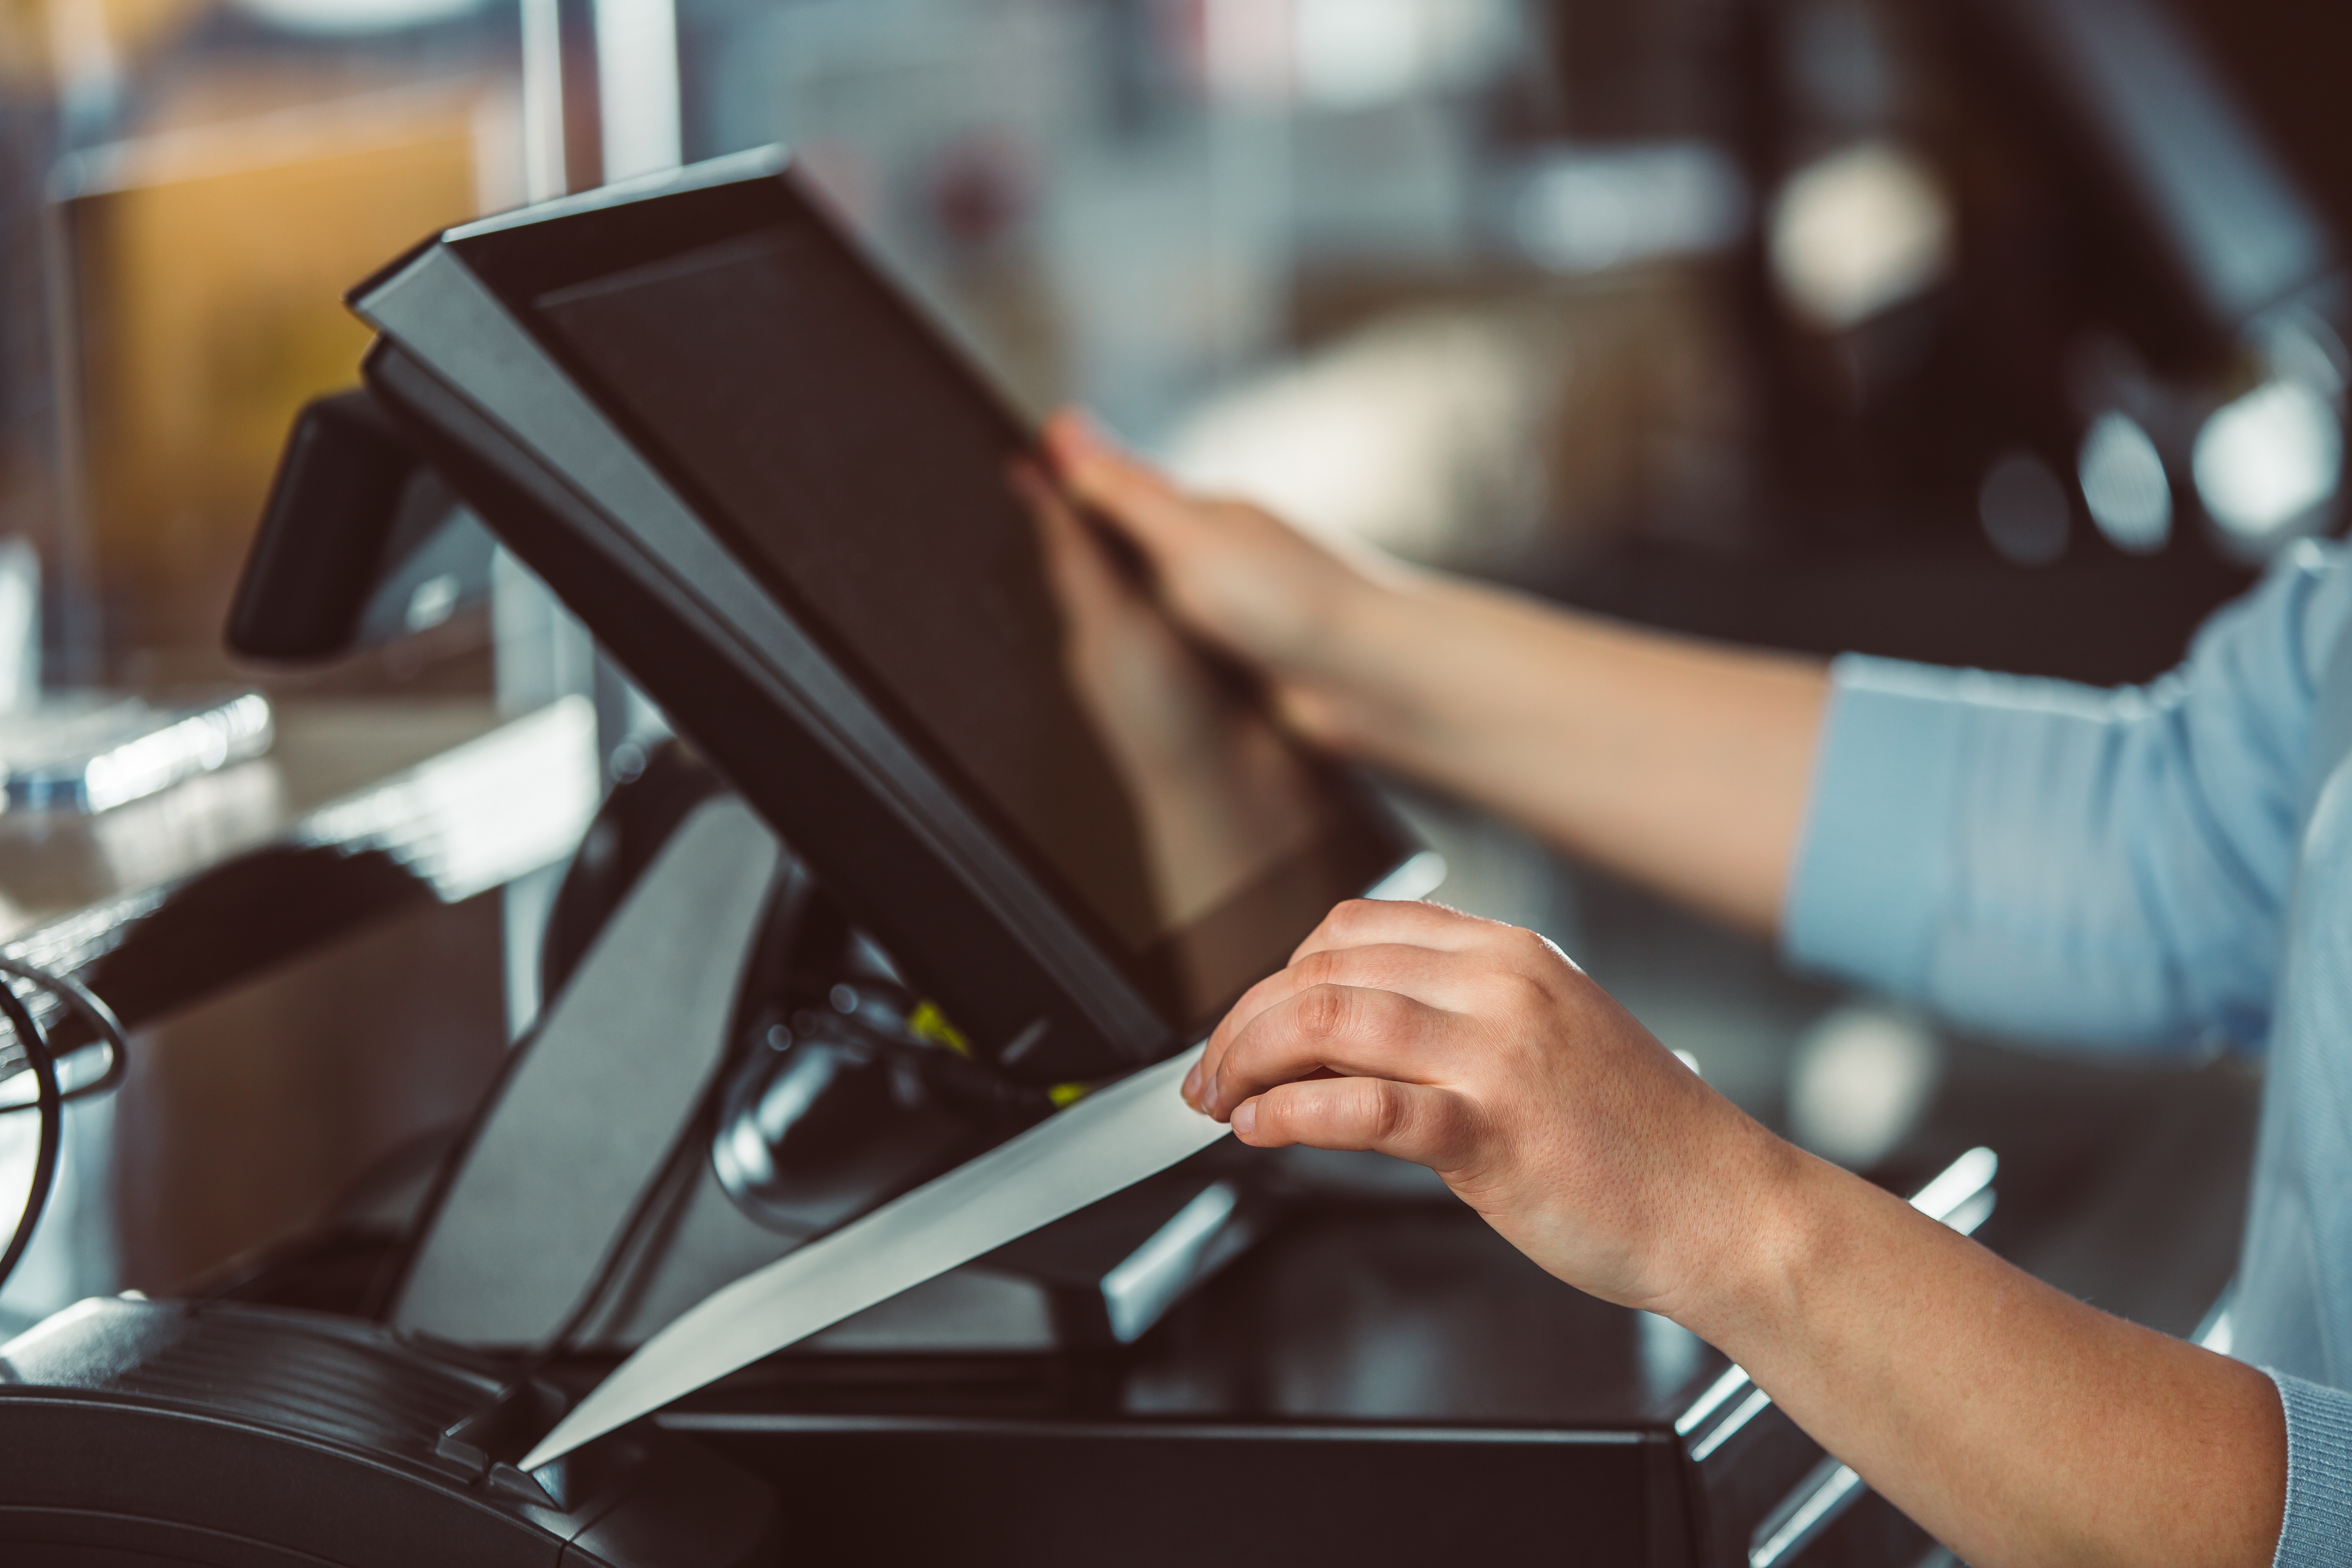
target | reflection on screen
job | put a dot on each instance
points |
(888, 498)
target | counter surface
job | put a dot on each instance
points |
(361, 808)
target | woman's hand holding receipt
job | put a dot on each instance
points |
(1479, 1050)
(2016, 1424)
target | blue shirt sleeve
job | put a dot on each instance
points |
(2317, 1530)
(2054, 861)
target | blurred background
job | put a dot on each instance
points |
(2002, 332)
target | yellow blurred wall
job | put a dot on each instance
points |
(208, 268)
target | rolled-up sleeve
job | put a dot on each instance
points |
(2054, 861)
(2317, 1530)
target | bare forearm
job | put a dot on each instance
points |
(2016, 1424)
(1678, 762)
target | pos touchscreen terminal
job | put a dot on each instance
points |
(796, 516)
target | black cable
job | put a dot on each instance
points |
(50, 1097)
(960, 1081)
(79, 998)
(51, 1100)
(101, 1019)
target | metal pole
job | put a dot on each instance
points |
(637, 91)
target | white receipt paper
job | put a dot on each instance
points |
(1112, 1138)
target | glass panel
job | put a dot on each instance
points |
(209, 179)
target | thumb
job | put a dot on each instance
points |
(1131, 496)
(1410, 1121)
(1082, 576)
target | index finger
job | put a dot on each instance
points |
(1361, 922)
(1073, 560)
(1423, 974)
(1357, 924)
(1131, 495)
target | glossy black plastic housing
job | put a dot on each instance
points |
(355, 525)
(145, 1432)
(877, 805)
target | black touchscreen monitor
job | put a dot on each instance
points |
(857, 471)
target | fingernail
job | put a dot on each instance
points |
(1192, 1089)
(1245, 1118)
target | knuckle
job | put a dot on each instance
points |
(1553, 959)
(1288, 1115)
(1388, 1116)
(1521, 992)
(1320, 967)
(1279, 1118)
(1339, 923)
(1527, 946)
(1323, 1012)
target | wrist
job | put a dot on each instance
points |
(1352, 688)
(1741, 1267)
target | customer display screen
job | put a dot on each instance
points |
(879, 491)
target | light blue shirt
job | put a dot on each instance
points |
(2150, 870)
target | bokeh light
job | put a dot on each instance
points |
(2024, 509)
(340, 17)
(2268, 465)
(1859, 231)
(2124, 484)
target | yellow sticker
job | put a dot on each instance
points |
(927, 1022)
(1063, 1094)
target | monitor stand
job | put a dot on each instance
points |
(586, 1204)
